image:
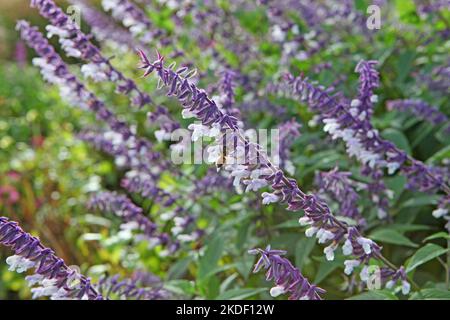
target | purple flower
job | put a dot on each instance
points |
(289, 131)
(55, 71)
(428, 7)
(104, 28)
(369, 80)
(322, 224)
(164, 120)
(122, 206)
(361, 139)
(287, 278)
(76, 44)
(192, 98)
(20, 53)
(438, 80)
(141, 286)
(339, 185)
(134, 19)
(129, 152)
(422, 110)
(227, 89)
(53, 277)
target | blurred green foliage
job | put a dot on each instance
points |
(48, 173)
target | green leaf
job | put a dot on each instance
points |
(179, 268)
(407, 227)
(228, 281)
(375, 295)
(439, 155)
(183, 287)
(212, 254)
(398, 138)
(438, 235)
(428, 252)
(392, 236)
(245, 264)
(326, 267)
(288, 224)
(435, 294)
(420, 201)
(240, 294)
(302, 250)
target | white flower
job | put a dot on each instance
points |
(289, 167)
(162, 135)
(354, 111)
(374, 98)
(304, 221)
(214, 132)
(406, 287)
(19, 264)
(439, 213)
(392, 167)
(61, 294)
(185, 237)
(269, 198)
(329, 252)
(255, 184)
(364, 274)
(69, 48)
(131, 225)
(94, 71)
(331, 125)
(381, 213)
(153, 242)
(324, 235)
(238, 174)
(311, 231)
(167, 215)
(277, 33)
(355, 103)
(53, 30)
(121, 161)
(362, 115)
(33, 279)
(176, 230)
(276, 291)
(48, 288)
(390, 284)
(389, 193)
(214, 153)
(109, 4)
(347, 248)
(366, 244)
(350, 265)
(199, 131)
(290, 47)
(186, 113)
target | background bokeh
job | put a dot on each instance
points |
(47, 174)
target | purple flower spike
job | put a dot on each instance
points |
(422, 110)
(287, 278)
(141, 286)
(76, 44)
(55, 71)
(53, 277)
(342, 190)
(362, 140)
(369, 80)
(318, 217)
(122, 206)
